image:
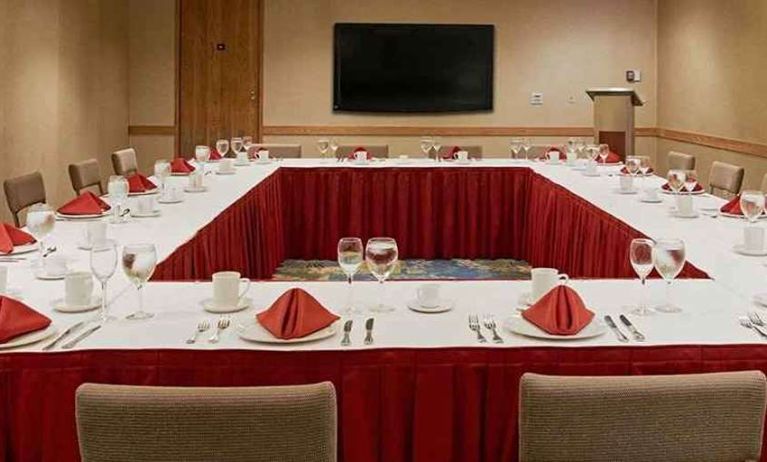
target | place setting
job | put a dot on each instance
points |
(751, 205)
(15, 244)
(428, 299)
(22, 325)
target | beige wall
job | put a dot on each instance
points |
(558, 47)
(711, 66)
(63, 88)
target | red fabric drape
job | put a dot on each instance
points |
(450, 404)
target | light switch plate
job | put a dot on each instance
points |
(633, 75)
(536, 99)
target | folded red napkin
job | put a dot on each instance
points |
(560, 312)
(17, 319)
(180, 165)
(451, 153)
(697, 187)
(138, 183)
(86, 203)
(214, 154)
(612, 158)
(732, 207)
(359, 149)
(295, 314)
(626, 171)
(11, 236)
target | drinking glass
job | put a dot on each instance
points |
(236, 145)
(516, 147)
(222, 146)
(323, 144)
(752, 205)
(247, 141)
(604, 151)
(426, 145)
(350, 258)
(162, 172)
(118, 190)
(668, 257)
(593, 151)
(103, 266)
(571, 142)
(334, 148)
(640, 254)
(381, 257)
(676, 179)
(526, 145)
(139, 262)
(690, 180)
(437, 144)
(632, 165)
(579, 145)
(40, 223)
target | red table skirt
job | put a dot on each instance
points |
(450, 404)
(432, 213)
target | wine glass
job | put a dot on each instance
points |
(516, 147)
(334, 148)
(579, 145)
(690, 180)
(323, 144)
(752, 205)
(604, 151)
(162, 172)
(437, 144)
(139, 262)
(247, 141)
(236, 145)
(381, 257)
(676, 179)
(571, 145)
(118, 190)
(632, 165)
(668, 257)
(426, 145)
(593, 152)
(640, 254)
(40, 223)
(103, 266)
(526, 146)
(222, 146)
(350, 258)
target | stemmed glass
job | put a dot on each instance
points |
(334, 148)
(752, 205)
(571, 144)
(222, 146)
(668, 257)
(381, 257)
(437, 145)
(604, 151)
(323, 144)
(641, 256)
(162, 172)
(690, 180)
(526, 145)
(237, 144)
(579, 145)
(139, 262)
(40, 223)
(247, 141)
(644, 167)
(426, 145)
(516, 147)
(350, 258)
(103, 266)
(676, 180)
(632, 165)
(118, 190)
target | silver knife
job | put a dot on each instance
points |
(637, 335)
(369, 329)
(61, 336)
(80, 337)
(347, 330)
(621, 336)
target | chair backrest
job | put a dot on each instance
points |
(85, 174)
(763, 186)
(380, 151)
(671, 418)
(680, 161)
(22, 192)
(475, 152)
(538, 151)
(725, 177)
(124, 162)
(292, 423)
(286, 151)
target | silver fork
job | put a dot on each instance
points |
(223, 323)
(202, 326)
(474, 325)
(489, 322)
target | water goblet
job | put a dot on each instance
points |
(103, 265)
(381, 256)
(640, 254)
(41, 220)
(350, 253)
(668, 257)
(139, 262)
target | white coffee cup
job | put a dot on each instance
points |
(361, 156)
(242, 158)
(95, 231)
(626, 183)
(427, 295)
(544, 279)
(462, 156)
(55, 265)
(263, 155)
(195, 179)
(753, 238)
(3, 279)
(145, 204)
(651, 194)
(226, 288)
(226, 165)
(684, 206)
(553, 156)
(78, 288)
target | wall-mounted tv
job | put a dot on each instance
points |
(413, 67)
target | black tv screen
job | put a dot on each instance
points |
(413, 67)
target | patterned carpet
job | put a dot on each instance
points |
(328, 270)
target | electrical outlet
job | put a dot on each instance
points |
(633, 76)
(536, 99)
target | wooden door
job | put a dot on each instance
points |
(219, 71)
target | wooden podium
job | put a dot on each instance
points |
(614, 118)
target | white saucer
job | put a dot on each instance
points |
(49, 277)
(740, 217)
(444, 305)
(22, 249)
(30, 338)
(169, 201)
(522, 326)
(211, 307)
(144, 193)
(219, 172)
(195, 190)
(60, 305)
(153, 213)
(263, 162)
(591, 174)
(676, 214)
(648, 200)
(625, 192)
(683, 193)
(249, 329)
(740, 249)
(81, 217)
(242, 165)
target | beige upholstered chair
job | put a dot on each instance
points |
(286, 151)
(675, 418)
(380, 151)
(725, 179)
(475, 152)
(85, 174)
(680, 161)
(124, 162)
(537, 151)
(22, 192)
(147, 424)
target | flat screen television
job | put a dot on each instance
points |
(413, 67)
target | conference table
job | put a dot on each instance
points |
(425, 389)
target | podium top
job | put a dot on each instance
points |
(606, 91)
